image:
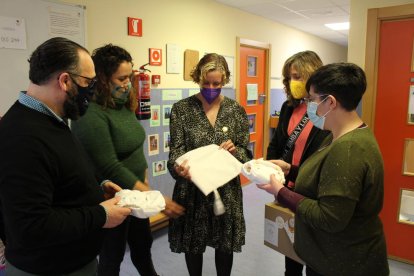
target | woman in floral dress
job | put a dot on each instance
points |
(200, 120)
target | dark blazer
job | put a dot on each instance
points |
(280, 137)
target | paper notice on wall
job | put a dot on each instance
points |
(66, 23)
(173, 59)
(12, 33)
(252, 91)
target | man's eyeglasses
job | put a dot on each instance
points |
(92, 81)
(308, 100)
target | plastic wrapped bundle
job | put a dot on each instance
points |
(259, 171)
(142, 204)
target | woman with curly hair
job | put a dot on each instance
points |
(114, 139)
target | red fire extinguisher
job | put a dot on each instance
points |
(142, 86)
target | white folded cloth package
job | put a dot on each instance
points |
(259, 171)
(142, 204)
(211, 168)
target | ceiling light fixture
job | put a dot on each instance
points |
(338, 26)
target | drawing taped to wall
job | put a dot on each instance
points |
(153, 147)
(167, 141)
(159, 167)
(166, 111)
(155, 116)
(252, 122)
(251, 66)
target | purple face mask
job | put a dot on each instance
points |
(210, 94)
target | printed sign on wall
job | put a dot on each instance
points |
(134, 26)
(155, 57)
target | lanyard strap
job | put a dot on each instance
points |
(294, 136)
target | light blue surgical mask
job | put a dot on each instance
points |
(120, 94)
(318, 121)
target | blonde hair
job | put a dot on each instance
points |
(305, 63)
(209, 63)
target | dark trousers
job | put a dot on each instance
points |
(224, 263)
(137, 233)
(293, 268)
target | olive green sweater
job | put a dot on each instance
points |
(338, 230)
(114, 140)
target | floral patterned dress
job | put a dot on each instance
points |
(199, 227)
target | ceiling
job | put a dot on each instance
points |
(305, 15)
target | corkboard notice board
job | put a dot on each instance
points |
(191, 58)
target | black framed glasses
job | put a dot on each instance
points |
(92, 81)
(308, 100)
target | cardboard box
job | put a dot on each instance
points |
(279, 230)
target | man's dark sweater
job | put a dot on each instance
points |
(49, 197)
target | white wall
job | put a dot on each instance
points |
(358, 23)
(202, 25)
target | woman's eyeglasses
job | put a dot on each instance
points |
(308, 100)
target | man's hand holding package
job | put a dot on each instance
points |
(115, 214)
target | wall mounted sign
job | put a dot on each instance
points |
(155, 56)
(173, 59)
(134, 26)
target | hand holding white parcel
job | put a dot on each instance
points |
(259, 171)
(142, 204)
(210, 167)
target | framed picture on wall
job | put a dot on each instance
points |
(251, 66)
(153, 141)
(252, 122)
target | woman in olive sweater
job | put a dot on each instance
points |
(114, 140)
(339, 189)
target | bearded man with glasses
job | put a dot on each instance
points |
(52, 210)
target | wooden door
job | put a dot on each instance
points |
(392, 128)
(253, 90)
(253, 94)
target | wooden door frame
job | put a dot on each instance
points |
(374, 19)
(267, 47)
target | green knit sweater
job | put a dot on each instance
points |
(114, 140)
(338, 230)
